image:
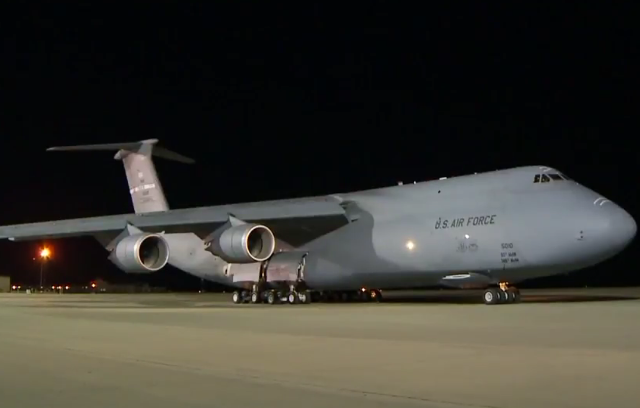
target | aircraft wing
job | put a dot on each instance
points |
(295, 221)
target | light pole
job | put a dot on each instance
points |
(45, 253)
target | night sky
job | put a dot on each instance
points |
(277, 101)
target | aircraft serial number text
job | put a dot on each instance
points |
(509, 257)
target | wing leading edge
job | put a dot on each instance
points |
(295, 221)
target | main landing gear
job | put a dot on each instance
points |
(296, 295)
(293, 296)
(501, 295)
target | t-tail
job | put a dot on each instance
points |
(146, 190)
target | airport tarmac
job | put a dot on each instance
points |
(561, 348)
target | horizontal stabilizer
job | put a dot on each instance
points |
(144, 147)
(144, 185)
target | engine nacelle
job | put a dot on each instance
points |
(244, 244)
(141, 253)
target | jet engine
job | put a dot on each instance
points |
(141, 253)
(244, 243)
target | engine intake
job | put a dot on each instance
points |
(244, 244)
(142, 253)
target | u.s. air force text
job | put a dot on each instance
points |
(479, 220)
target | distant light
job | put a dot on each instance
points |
(66, 287)
(400, 183)
(466, 236)
(442, 178)
(410, 245)
(93, 285)
(45, 252)
(14, 287)
(53, 287)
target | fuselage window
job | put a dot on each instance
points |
(545, 179)
(555, 176)
(536, 179)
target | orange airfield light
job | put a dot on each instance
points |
(45, 253)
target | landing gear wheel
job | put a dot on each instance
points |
(271, 298)
(502, 296)
(515, 295)
(236, 297)
(509, 296)
(491, 296)
(292, 298)
(255, 297)
(304, 297)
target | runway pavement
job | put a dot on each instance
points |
(578, 348)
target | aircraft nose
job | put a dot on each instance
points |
(631, 227)
(618, 228)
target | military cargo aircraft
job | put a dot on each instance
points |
(489, 230)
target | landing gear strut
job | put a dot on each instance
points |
(500, 295)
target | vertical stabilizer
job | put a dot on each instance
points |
(145, 188)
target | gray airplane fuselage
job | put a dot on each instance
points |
(499, 227)
(496, 227)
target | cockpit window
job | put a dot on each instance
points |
(546, 178)
(564, 176)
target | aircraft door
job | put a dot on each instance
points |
(286, 267)
(249, 272)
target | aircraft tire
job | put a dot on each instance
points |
(271, 297)
(255, 297)
(304, 297)
(509, 296)
(292, 298)
(516, 295)
(236, 297)
(491, 296)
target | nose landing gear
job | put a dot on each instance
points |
(501, 295)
